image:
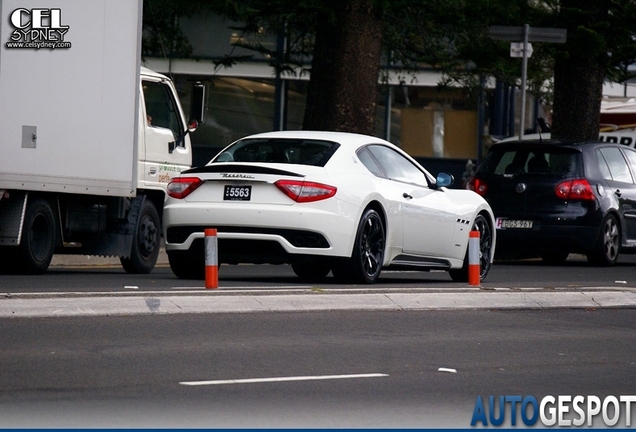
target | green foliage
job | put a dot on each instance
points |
(449, 35)
(162, 35)
(446, 35)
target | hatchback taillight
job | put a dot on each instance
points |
(578, 189)
(478, 185)
(181, 187)
(303, 191)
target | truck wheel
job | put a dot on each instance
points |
(145, 247)
(38, 238)
(185, 265)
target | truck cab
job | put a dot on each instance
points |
(161, 123)
(36, 224)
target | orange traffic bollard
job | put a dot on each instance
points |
(473, 258)
(211, 259)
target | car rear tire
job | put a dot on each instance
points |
(554, 257)
(485, 250)
(367, 257)
(145, 248)
(605, 252)
(186, 265)
(311, 269)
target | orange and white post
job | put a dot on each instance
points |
(473, 258)
(211, 259)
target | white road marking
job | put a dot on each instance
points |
(281, 379)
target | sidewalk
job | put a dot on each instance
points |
(273, 300)
(236, 301)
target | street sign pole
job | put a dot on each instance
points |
(526, 34)
(524, 76)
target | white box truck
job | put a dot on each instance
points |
(88, 138)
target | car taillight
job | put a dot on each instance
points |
(181, 187)
(303, 191)
(578, 189)
(478, 185)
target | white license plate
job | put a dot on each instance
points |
(237, 193)
(514, 224)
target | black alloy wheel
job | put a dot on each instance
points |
(485, 249)
(605, 251)
(365, 264)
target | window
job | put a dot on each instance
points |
(161, 110)
(616, 165)
(631, 158)
(368, 161)
(560, 162)
(280, 150)
(394, 165)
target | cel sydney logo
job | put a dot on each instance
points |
(37, 28)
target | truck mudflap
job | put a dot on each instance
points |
(135, 240)
(12, 210)
(119, 241)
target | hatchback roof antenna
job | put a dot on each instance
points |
(543, 127)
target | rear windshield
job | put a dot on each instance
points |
(277, 150)
(562, 162)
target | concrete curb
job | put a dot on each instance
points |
(149, 303)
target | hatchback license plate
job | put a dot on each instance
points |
(237, 193)
(514, 224)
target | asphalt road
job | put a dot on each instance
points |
(87, 345)
(389, 369)
(81, 274)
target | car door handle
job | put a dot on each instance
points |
(407, 196)
(618, 193)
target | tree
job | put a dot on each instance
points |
(162, 35)
(346, 39)
(343, 88)
(343, 40)
(601, 42)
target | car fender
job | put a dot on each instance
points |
(469, 206)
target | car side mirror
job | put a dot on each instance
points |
(444, 180)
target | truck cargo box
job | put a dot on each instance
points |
(69, 84)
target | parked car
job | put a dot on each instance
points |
(323, 201)
(552, 198)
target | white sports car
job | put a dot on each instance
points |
(323, 201)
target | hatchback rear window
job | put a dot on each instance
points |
(562, 162)
(279, 150)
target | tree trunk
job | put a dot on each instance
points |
(579, 73)
(344, 75)
(578, 88)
